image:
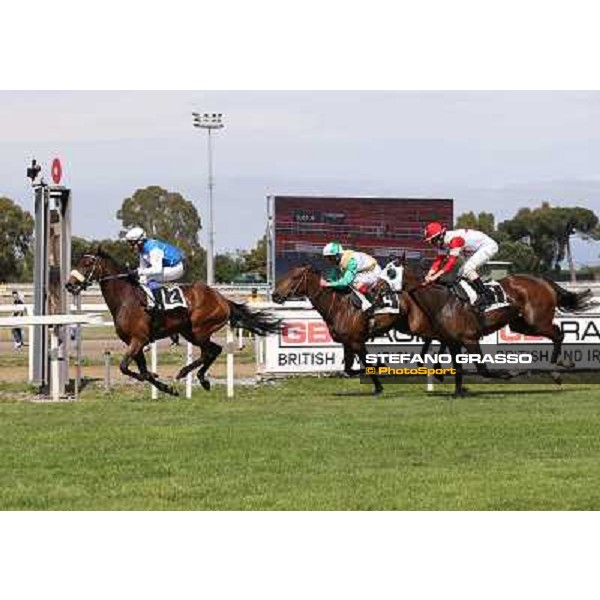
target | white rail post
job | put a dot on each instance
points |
(229, 346)
(429, 383)
(153, 367)
(31, 351)
(107, 370)
(54, 363)
(240, 338)
(188, 378)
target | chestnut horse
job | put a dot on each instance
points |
(207, 311)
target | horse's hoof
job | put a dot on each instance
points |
(205, 384)
(556, 377)
(377, 392)
(566, 364)
(439, 378)
(461, 393)
(180, 375)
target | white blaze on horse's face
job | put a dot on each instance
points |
(75, 274)
(394, 275)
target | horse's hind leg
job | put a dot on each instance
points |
(210, 353)
(552, 332)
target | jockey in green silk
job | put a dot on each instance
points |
(358, 270)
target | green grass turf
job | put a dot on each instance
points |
(305, 444)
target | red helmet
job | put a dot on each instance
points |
(433, 230)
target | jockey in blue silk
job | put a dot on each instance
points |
(159, 261)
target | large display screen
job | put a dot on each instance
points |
(299, 227)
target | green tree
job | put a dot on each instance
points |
(227, 266)
(255, 260)
(170, 217)
(16, 236)
(483, 222)
(118, 249)
(548, 231)
(522, 256)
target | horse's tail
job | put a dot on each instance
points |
(572, 301)
(260, 322)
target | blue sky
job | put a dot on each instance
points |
(493, 151)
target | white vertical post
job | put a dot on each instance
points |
(153, 368)
(188, 378)
(229, 346)
(240, 338)
(31, 350)
(429, 383)
(54, 364)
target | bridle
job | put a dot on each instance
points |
(298, 284)
(86, 280)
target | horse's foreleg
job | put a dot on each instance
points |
(349, 355)
(475, 348)
(362, 356)
(135, 352)
(426, 346)
(459, 389)
(134, 348)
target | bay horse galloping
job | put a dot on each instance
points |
(532, 305)
(207, 311)
(348, 324)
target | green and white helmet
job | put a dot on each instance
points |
(332, 249)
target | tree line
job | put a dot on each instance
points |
(535, 240)
(163, 214)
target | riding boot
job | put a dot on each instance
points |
(484, 296)
(157, 309)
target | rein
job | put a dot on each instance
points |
(86, 281)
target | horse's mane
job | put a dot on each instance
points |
(311, 268)
(105, 255)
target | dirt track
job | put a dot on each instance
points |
(13, 364)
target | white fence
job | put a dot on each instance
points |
(305, 346)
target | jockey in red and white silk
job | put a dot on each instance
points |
(476, 246)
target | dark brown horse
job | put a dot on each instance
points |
(207, 311)
(348, 324)
(434, 312)
(352, 328)
(532, 305)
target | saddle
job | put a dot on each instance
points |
(166, 297)
(382, 297)
(465, 292)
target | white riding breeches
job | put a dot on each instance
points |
(478, 259)
(167, 274)
(367, 278)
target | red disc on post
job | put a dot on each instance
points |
(56, 171)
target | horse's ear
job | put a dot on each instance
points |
(403, 258)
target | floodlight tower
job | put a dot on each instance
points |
(210, 122)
